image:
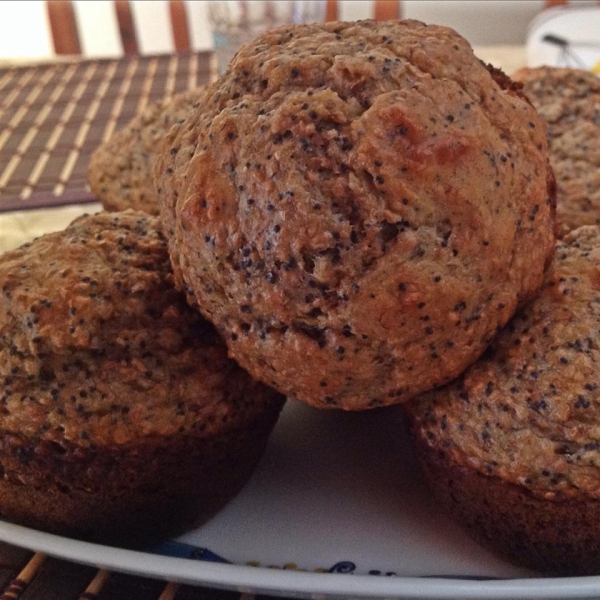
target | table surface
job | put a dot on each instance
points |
(23, 574)
(54, 579)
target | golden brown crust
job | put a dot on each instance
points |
(567, 100)
(528, 410)
(96, 337)
(513, 446)
(358, 208)
(117, 400)
(120, 170)
(556, 537)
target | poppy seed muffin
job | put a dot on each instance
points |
(512, 447)
(568, 101)
(122, 419)
(120, 171)
(358, 208)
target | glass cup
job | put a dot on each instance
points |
(235, 23)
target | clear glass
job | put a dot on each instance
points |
(237, 22)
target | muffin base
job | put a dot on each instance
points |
(131, 496)
(555, 537)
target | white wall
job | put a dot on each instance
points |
(98, 28)
(24, 30)
(153, 26)
(483, 23)
(353, 11)
(200, 35)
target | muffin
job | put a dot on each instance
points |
(122, 419)
(512, 448)
(120, 170)
(358, 208)
(567, 100)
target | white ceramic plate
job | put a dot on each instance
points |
(336, 492)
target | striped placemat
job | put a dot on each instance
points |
(35, 576)
(53, 116)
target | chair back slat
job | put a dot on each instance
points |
(63, 26)
(386, 9)
(126, 27)
(331, 10)
(179, 26)
(66, 37)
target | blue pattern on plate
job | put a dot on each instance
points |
(180, 550)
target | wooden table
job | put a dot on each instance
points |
(34, 577)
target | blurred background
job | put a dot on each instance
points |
(26, 30)
(64, 99)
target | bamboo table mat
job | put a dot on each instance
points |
(28, 576)
(53, 116)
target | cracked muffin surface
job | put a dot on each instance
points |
(358, 208)
(568, 100)
(513, 445)
(120, 171)
(118, 403)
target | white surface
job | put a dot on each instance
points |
(337, 486)
(332, 487)
(507, 58)
(152, 26)
(98, 28)
(24, 29)
(19, 227)
(199, 27)
(577, 25)
(354, 11)
(481, 22)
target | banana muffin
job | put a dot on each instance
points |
(569, 102)
(358, 207)
(120, 170)
(512, 447)
(122, 419)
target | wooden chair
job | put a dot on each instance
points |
(66, 40)
(382, 10)
(65, 35)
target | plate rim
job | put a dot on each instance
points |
(246, 578)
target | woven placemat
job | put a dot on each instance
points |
(53, 116)
(28, 576)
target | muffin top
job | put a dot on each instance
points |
(529, 410)
(98, 348)
(568, 101)
(358, 207)
(120, 170)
